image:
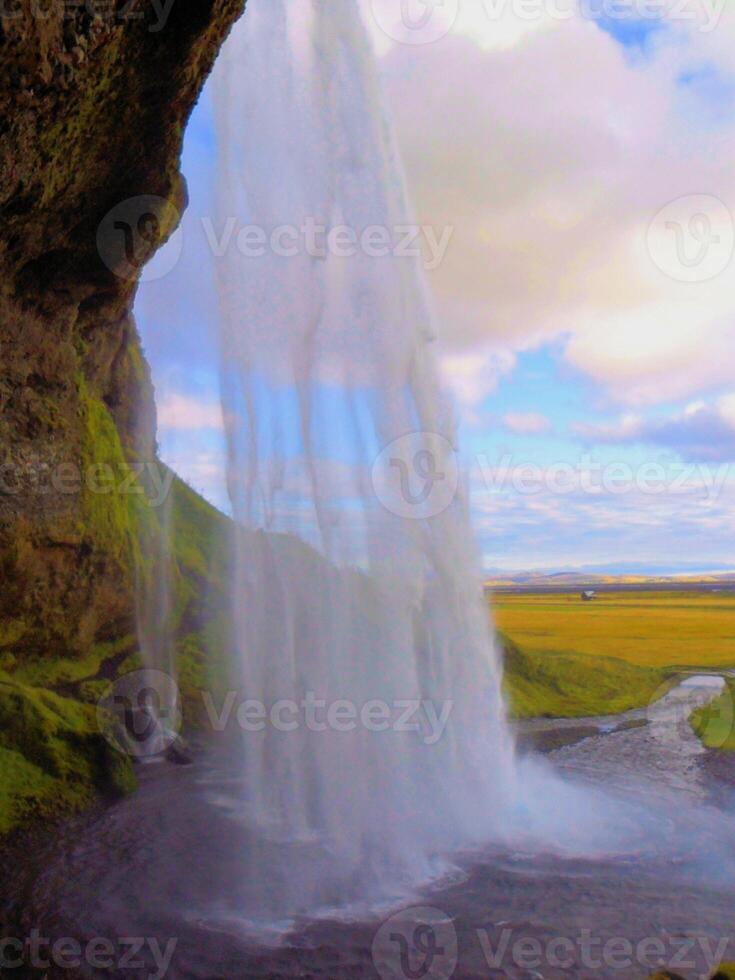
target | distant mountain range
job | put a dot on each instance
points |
(609, 575)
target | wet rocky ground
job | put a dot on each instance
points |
(102, 886)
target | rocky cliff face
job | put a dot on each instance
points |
(94, 98)
(93, 103)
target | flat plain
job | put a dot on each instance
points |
(565, 656)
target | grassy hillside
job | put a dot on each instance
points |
(574, 685)
(53, 759)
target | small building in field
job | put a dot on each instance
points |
(589, 595)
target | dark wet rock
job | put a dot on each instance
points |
(179, 753)
(551, 739)
(720, 766)
(630, 726)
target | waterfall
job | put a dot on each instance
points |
(355, 584)
(154, 613)
(152, 693)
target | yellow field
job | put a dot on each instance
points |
(656, 629)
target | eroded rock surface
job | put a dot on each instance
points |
(93, 103)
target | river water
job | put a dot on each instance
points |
(160, 865)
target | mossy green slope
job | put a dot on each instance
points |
(53, 759)
(200, 537)
(571, 685)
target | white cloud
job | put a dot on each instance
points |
(550, 159)
(178, 412)
(726, 406)
(496, 25)
(527, 423)
(659, 352)
(471, 376)
(701, 432)
(491, 24)
(622, 430)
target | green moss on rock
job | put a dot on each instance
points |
(725, 971)
(105, 511)
(53, 758)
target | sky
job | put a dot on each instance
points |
(580, 160)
